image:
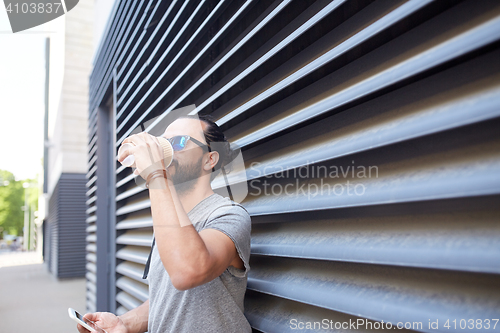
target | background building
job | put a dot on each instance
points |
(407, 90)
(69, 55)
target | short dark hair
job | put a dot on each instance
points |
(213, 133)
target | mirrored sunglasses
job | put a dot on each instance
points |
(179, 142)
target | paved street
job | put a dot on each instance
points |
(32, 300)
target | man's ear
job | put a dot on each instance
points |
(212, 160)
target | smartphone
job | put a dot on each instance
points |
(88, 324)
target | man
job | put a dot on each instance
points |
(199, 265)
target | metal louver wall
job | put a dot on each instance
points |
(65, 245)
(396, 103)
(91, 219)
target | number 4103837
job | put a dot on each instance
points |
(471, 324)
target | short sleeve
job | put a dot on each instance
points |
(234, 221)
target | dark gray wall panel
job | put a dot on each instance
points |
(66, 227)
(408, 88)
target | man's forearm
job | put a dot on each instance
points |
(136, 320)
(180, 247)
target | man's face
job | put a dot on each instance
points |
(187, 164)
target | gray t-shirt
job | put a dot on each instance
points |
(216, 306)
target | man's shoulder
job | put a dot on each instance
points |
(224, 205)
(217, 206)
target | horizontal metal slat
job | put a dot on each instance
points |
(125, 180)
(91, 277)
(92, 238)
(121, 311)
(91, 200)
(91, 228)
(91, 257)
(120, 169)
(127, 301)
(91, 248)
(134, 223)
(91, 210)
(129, 193)
(140, 238)
(91, 267)
(142, 204)
(94, 168)
(134, 288)
(132, 270)
(91, 219)
(134, 253)
(91, 181)
(91, 191)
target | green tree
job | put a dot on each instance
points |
(11, 201)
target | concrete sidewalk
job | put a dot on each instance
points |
(33, 300)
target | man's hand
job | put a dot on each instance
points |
(147, 152)
(105, 320)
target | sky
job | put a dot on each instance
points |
(22, 81)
